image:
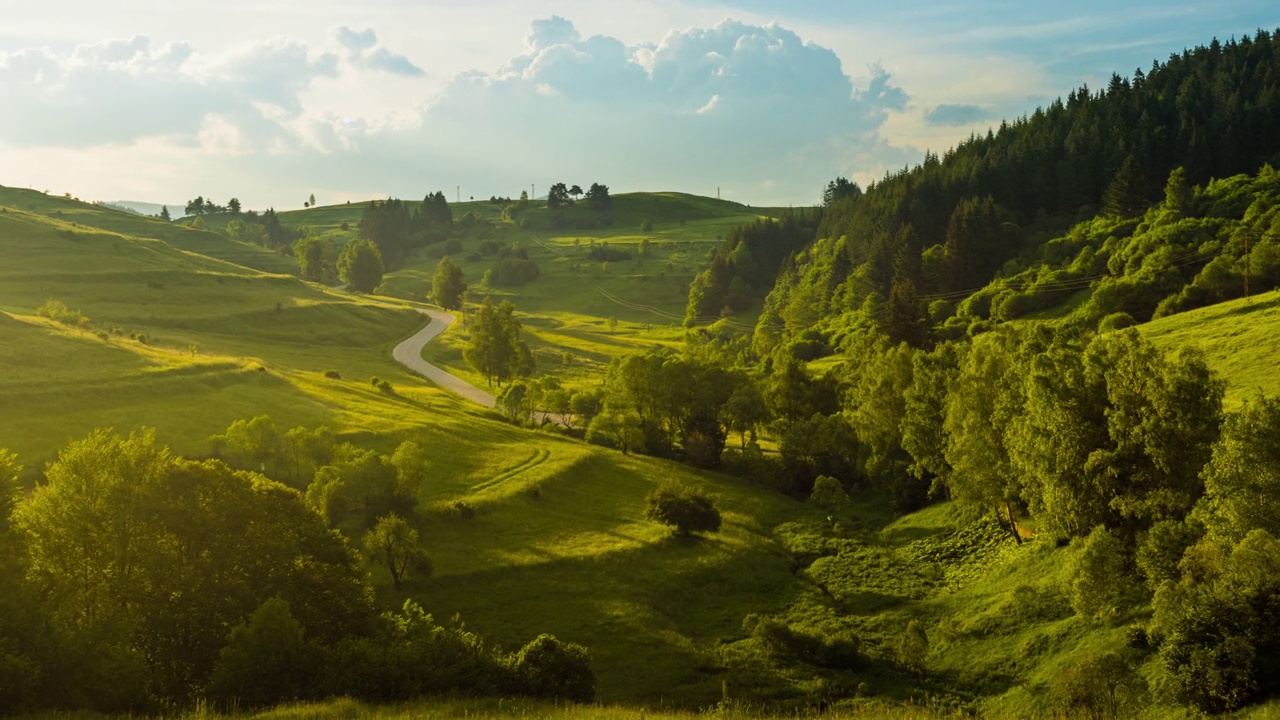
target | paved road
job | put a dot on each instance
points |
(409, 354)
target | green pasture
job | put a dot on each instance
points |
(1240, 339)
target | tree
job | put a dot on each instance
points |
(1221, 643)
(514, 402)
(164, 213)
(449, 285)
(311, 201)
(575, 191)
(598, 197)
(549, 668)
(233, 206)
(494, 349)
(745, 411)
(557, 196)
(393, 544)
(687, 510)
(360, 266)
(146, 559)
(1242, 479)
(195, 207)
(1126, 196)
(266, 660)
(309, 252)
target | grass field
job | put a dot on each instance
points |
(1240, 340)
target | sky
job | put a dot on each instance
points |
(762, 100)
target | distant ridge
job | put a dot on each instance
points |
(146, 208)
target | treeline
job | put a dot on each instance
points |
(140, 581)
(396, 230)
(951, 223)
(745, 267)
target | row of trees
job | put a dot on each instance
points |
(597, 196)
(200, 206)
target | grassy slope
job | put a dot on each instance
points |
(225, 342)
(1240, 340)
(569, 307)
(209, 326)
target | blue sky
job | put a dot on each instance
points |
(766, 100)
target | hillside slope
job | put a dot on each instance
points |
(1240, 340)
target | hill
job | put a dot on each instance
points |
(941, 230)
(1240, 340)
(146, 333)
(607, 281)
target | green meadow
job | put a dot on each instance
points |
(1240, 339)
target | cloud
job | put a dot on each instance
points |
(364, 51)
(956, 115)
(750, 108)
(696, 109)
(121, 91)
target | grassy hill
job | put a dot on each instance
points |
(592, 310)
(187, 343)
(1240, 340)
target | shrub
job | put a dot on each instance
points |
(265, 661)
(1100, 587)
(828, 494)
(333, 374)
(549, 668)
(687, 510)
(57, 311)
(604, 253)
(1101, 686)
(1115, 321)
(512, 271)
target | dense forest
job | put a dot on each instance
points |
(987, 208)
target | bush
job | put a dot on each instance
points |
(1116, 321)
(828, 494)
(513, 271)
(452, 246)
(57, 311)
(1101, 686)
(687, 510)
(548, 668)
(604, 253)
(333, 374)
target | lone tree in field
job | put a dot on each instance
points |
(495, 349)
(309, 252)
(687, 510)
(360, 266)
(393, 544)
(449, 285)
(164, 213)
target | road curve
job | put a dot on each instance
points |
(409, 354)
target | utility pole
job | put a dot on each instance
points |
(717, 192)
(459, 193)
(533, 194)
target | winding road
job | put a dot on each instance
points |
(409, 354)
